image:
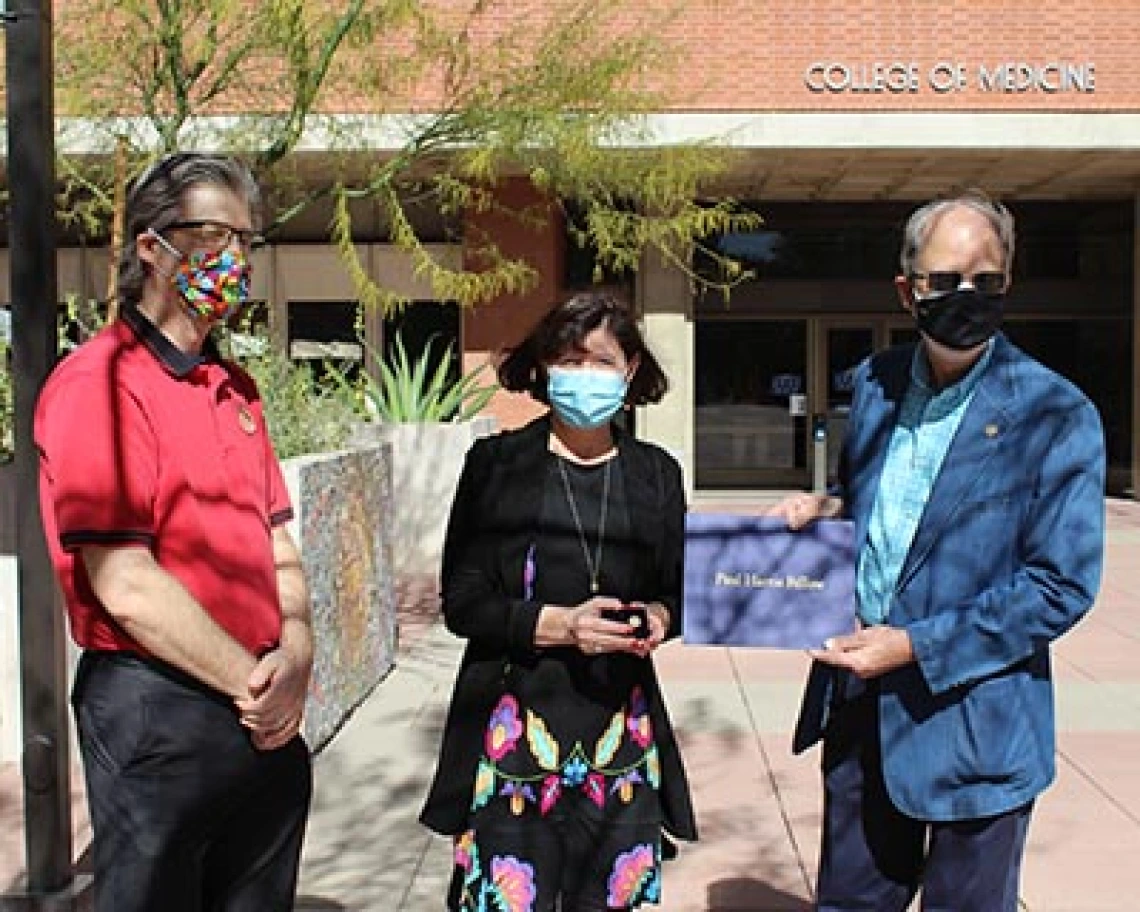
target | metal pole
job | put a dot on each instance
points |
(819, 452)
(32, 247)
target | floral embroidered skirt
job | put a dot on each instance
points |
(565, 805)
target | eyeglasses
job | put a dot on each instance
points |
(218, 236)
(945, 282)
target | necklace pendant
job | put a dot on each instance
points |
(593, 563)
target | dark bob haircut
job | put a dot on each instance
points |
(564, 329)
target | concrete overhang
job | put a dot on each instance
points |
(795, 155)
(914, 155)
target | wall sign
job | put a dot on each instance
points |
(901, 77)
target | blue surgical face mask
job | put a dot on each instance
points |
(586, 397)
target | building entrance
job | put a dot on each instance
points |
(768, 389)
(779, 353)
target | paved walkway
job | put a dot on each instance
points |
(758, 805)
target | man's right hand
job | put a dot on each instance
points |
(275, 707)
(800, 509)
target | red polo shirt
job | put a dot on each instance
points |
(142, 445)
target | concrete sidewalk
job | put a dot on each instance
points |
(758, 806)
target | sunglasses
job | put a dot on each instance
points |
(945, 282)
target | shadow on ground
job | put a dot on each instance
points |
(745, 894)
(365, 845)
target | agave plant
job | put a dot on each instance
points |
(412, 392)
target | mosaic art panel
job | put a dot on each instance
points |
(343, 503)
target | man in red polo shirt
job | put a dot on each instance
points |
(165, 512)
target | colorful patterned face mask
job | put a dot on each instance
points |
(214, 285)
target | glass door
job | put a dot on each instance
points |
(844, 348)
(765, 387)
(750, 412)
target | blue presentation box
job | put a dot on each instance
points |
(750, 581)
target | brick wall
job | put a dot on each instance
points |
(753, 54)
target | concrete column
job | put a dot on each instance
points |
(665, 302)
(1136, 348)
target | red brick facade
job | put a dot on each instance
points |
(756, 57)
(753, 54)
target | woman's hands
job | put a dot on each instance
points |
(584, 627)
(594, 634)
(659, 620)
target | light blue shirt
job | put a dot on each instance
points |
(926, 426)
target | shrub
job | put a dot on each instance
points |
(412, 392)
(303, 414)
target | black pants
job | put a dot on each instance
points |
(874, 857)
(187, 815)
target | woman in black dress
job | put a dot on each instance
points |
(559, 769)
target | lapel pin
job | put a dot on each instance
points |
(992, 430)
(246, 421)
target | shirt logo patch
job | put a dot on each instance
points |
(246, 420)
(992, 430)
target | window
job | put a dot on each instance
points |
(816, 241)
(325, 330)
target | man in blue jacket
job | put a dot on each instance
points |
(975, 480)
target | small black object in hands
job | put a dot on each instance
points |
(633, 615)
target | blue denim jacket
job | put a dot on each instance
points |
(1007, 557)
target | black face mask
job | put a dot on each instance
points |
(961, 319)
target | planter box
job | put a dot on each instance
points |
(343, 506)
(7, 508)
(343, 503)
(9, 620)
(10, 722)
(426, 462)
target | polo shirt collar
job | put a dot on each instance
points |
(170, 356)
(958, 390)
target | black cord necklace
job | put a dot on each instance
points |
(594, 562)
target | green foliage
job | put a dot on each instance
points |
(77, 320)
(412, 392)
(556, 93)
(558, 96)
(304, 414)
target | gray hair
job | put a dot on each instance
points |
(922, 221)
(156, 199)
